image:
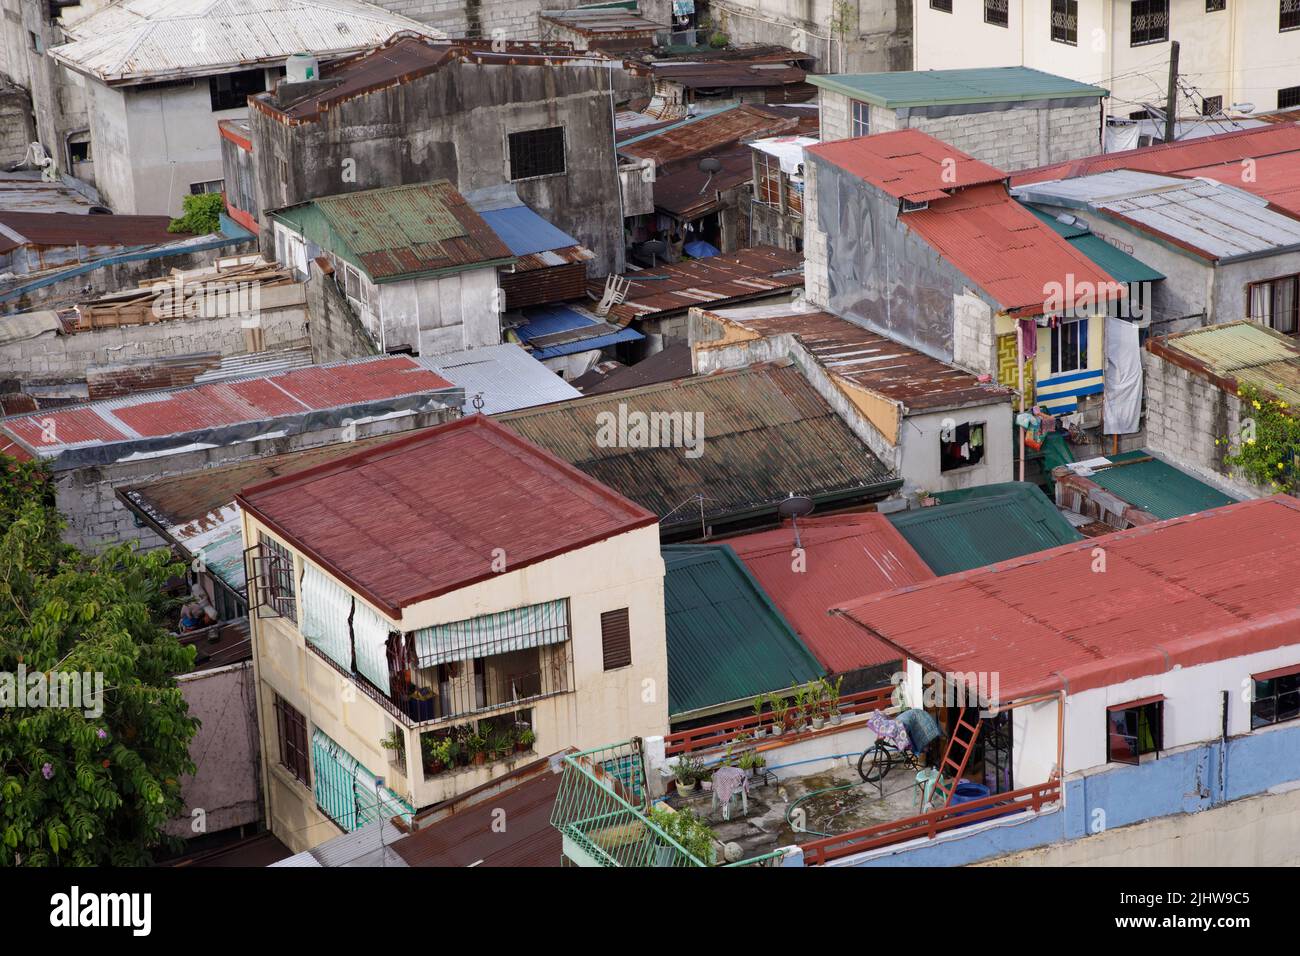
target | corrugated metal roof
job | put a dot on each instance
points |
(665, 365)
(1157, 487)
(846, 556)
(1217, 221)
(1209, 586)
(402, 231)
(867, 360)
(766, 434)
(728, 73)
(419, 516)
(707, 134)
(907, 164)
(1006, 520)
(503, 377)
(553, 331)
(140, 40)
(1004, 84)
(688, 192)
(752, 273)
(1114, 261)
(205, 408)
(1237, 353)
(67, 228)
(726, 639)
(602, 21)
(523, 231)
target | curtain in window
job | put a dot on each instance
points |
(1261, 304)
(1284, 305)
(334, 772)
(516, 630)
(371, 635)
(326, 608)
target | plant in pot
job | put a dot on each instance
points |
(686, 830)
(780, 714)
(815, 705)
(431, 753)
(759, 729)
(477, 749)
(526, 739)
(833, 698)
(503, 744)
(688, 772)
(751, 761)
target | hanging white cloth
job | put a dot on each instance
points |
(1122, 405)
(326, 608)
(371, 634)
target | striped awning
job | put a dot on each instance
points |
(533, 626)
(347, 792)
(1060, 394)
(326, 611)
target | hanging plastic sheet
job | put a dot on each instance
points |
(370, 632)
(326, 610)
(1122, 407)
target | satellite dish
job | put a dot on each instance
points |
(654, 248)
(795, 507)
(710, 165)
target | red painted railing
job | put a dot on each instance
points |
(930, 824)
(719, 735)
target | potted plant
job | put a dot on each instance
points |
(503, 744)
(432, 757)
(526, 739)
(688, 772)
(780, 714)
(477, 749)
(815, 705)
(833, 699)
(759, 729)
(688, 831)
(393, 740)
(751, 761)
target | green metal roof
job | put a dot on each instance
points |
(989, 524)
(1119, 265)
(1157, 487)
(726, 639)
(1003, 84)
(1237, 353)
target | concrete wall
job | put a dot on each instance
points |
(439, 314)
(624, 571)
(1184, 415)
(336, 332)
(17, 124)
(481, 19)
(1021, 137)
(454, 124)
(877, 36)
(224, 791)
(282, 316)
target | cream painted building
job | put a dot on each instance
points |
(452, 585)
(1231, 52)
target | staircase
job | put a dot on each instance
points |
(955, 757)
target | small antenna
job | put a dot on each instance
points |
(795, 507)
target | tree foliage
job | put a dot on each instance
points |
(202, 214)
(1268, 445)
(79, 790)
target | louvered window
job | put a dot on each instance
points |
(615, 639)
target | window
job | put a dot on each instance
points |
(37, 45)
(1134, 730)
(1275, 697)
(1065, 21)
(943, 5)
(1148, 22)
(995, 12)
(1211, 105)
(211, 186)
(1289, 15)
(1070, 346)
(861, 118)
(767, 185)
(1140, 115)
(1288, 97)
(79, 152)
(615, 639)
(291, 728)
(912, 205)
(1214, 6)
(537, 152)
(273, 577)
(231, 91)
(1273, 303)
(962, 446)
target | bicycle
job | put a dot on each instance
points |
(881, 757)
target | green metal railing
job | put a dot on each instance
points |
(601, 811)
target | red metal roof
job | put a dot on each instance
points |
(156, 414)
(67, 228)
(1274, 150)
(1008, 251)
(849, 554)
(1205, 587)
(420, 516)
(908, 164)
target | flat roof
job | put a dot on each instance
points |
(1205, 587)
(1003, 84)
(846, 554)
(1235, 354)
(168, 421)
(419, 516)
(1208, 218)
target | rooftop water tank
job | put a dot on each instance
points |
(301, 67)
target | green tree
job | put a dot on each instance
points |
(77, 789)
(202, 214)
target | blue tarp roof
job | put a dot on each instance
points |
(552, 319)
(524, 232)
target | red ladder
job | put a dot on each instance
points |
(966, 743)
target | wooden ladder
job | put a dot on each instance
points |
(955, 757)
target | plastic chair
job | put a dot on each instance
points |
(926, 781)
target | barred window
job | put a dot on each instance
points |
(767, 185)
(1288, 97)
(1065, 21)
(995, 12)
(291, 728)
(1275, 697)
(1289, 15)
(1148, 22)
(537, 152)
(273, 577)
(1211, 105)
(1214, 6)
(944, 5)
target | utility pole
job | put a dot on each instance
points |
(1171, 100)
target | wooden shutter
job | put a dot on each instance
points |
(615, 639)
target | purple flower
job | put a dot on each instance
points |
(101, 733)
(47, 771)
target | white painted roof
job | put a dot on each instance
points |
(506, 377)
(1219, 220)
(787, 149)
(133, 41)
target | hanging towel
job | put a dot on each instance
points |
(1122, 404)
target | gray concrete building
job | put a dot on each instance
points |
(1011, 117)
(844, 35)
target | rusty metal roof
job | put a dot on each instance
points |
(766, 434)
(1235, 354)
(137, 41)
(402, 231)
(729, 73)
(418, 517)
(689, 193)
(68, 228)
(756, 272)
(868, 360)
(603, 22)
(705, 135)
(908, 164)
(1206, 587)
